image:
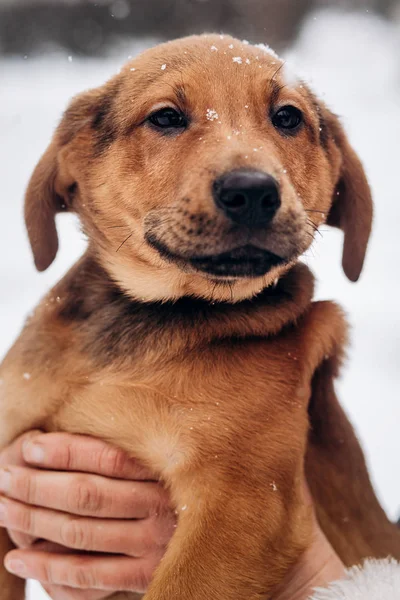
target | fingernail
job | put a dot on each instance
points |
(15, 566)
(5, 481)
(3, 512)
(32, 452)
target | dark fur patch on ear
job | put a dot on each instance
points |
(76, 116)
(324, 133)
(323, 127)
(103, 123)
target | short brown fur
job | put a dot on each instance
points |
(211, 382)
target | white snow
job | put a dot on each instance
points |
(353, 62)
(289, 74)
(212, 114)
(265, 48)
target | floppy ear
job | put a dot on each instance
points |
(41, 205)
(50, 187)
(352, 206)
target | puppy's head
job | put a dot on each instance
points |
(200, 169)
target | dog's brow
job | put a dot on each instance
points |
(180, 93)
(275, 90)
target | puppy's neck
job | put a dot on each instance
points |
(108, 318)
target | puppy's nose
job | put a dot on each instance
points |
(247, 197)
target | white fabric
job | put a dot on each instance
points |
(376, 580)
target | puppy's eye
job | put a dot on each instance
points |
(168, 118)
(287, 118)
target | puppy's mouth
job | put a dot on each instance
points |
(244, 262)
(247, 261)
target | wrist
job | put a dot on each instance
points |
(317, 567)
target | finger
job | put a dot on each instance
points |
(57, 592)
(21, 540)
(85, 572)
(66, 452)
(43, 546)
(135, 538)
(37, 544)
(81, 494)
(12, 455)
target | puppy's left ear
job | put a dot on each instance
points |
(352, 207)
(54, 179)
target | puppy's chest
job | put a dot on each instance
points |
(226, 399)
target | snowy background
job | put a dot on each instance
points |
(352, 62)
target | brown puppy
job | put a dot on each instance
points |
(186, 334)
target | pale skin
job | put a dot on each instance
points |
(106, 521)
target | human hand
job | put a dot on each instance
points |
(59, 504)
(318, 566)
(105, 520)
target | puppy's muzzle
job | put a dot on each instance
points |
(246, 197)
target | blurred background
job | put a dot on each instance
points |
(349, 53)
(89, 27)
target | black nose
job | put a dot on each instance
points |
(247, 197)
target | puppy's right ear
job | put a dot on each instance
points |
(49, 190)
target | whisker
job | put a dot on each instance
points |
(277, 71)
(124, 242)
(314, 226)
(321, 212)
(310, 249)
(118, 226)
